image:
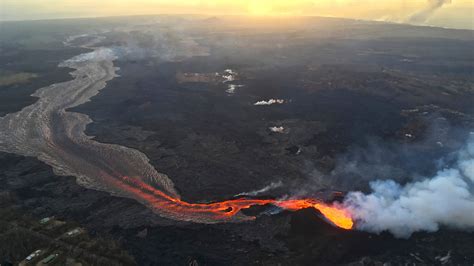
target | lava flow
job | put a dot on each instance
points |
(335, 214)
(224, 211)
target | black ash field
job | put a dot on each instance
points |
(209, 109)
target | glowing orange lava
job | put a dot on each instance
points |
(337, 215)
(224, 211)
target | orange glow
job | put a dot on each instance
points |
(224, 211)
(337, 215)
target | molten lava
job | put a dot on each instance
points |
(335, 214)
(224, 211)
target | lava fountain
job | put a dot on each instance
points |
(224, 211)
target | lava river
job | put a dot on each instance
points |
(50, 132)
(224, 211)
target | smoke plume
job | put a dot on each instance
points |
(446, 199)
(254, 193)
(425, 14)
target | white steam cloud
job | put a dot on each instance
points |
(277, 129)
(447, 199)
(270, 102)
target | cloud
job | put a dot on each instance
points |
(446, 199)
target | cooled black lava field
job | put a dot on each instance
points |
(161, 138)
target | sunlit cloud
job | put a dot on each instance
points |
(458, 13)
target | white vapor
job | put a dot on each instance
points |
(270, 102)
(277, 129)
(272, 185)
(425, 14)
(446, 199)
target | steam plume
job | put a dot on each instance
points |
(425, 14)
(447, 199)
(272, 186)
(270, 102)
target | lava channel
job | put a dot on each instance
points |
(224, 211)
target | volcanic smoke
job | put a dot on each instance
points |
(447, 199)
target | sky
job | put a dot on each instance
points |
(444, 13)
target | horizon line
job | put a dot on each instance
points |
(232, 15)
